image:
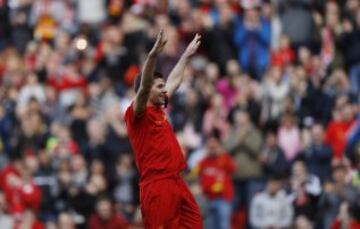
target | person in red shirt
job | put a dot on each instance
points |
(215, 173)
(339, 130)
(106, 217)
(348, 217)
(19, 189)
(165, 200)
(284, 55)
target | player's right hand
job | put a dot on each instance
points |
(159, 44)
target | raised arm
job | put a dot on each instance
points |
(142, 95)
(177, 74)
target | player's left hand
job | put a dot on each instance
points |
(193, 46)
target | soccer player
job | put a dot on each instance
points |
(165, 200)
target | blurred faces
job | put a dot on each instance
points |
(214, 147)
(114, 35)
(232, 68)
(273, 186)
(252, 20)
(304, 55)
(104, 209)
(212, 72)
(284, 42)
(299, 169)
(271, 140)
(347, 113)
(191, 98)
(287, 121)
(225, 12)
(125, 162)
(276, 74)
(317, 133)
(339, 174)
(96, 131)
(217, 101)
(97, 167)
(78, 163)
(241, 118)
(65, 221)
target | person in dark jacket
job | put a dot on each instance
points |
(318, 155)
(273, 158)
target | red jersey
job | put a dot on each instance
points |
(19, 198)
(215, 176)
(157, 152)
(336, 136)
(351, 225)
(115, 222)
(283, 57)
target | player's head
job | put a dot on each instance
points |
(158, 93)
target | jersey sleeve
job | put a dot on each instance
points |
(129, 115)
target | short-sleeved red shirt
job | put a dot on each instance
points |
(215, 176)
(157, 152)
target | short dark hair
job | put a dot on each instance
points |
(215, 133)
(138, 80)
(276, 177)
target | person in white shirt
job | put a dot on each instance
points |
(271, 208)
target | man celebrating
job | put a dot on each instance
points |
(165, 200)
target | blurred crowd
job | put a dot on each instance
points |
(267, 115)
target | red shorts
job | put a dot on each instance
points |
(168, 203)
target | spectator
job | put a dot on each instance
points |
(273, 158)
(215, 117)
(227, 87)
(220, 35)
(350, 46)
(252, 38)
(270, 208)
(126, 190)
(317, 156)
(274, 91)
(285, 55)
(105, 216)
(65, 221)
(334, 194)
(348, 216)
(28, 220)
(338, 129)
(305, 191)
(244, 143)
(45, 178)
(289, 137)
(21, 31)
(215, 173)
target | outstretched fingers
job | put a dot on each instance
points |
(160, 42)
(195, 43)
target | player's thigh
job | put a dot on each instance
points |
(189, 211)
(160, 205)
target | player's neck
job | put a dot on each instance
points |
(150, 104)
